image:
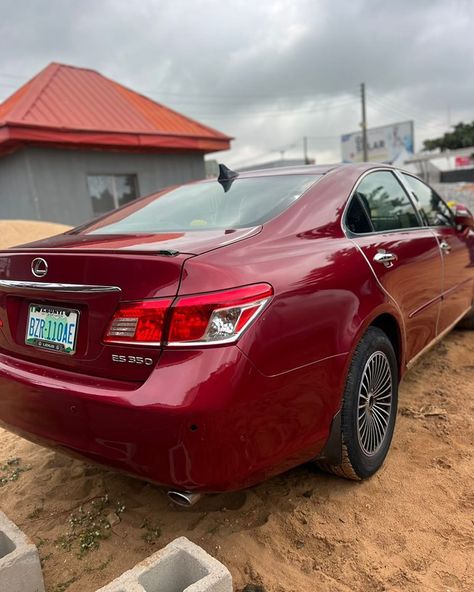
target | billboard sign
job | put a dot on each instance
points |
(389, 144)
(462, 161)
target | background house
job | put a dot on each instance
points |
(74, 144)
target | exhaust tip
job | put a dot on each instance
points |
(184, 499)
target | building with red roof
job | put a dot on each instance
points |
(74, 144)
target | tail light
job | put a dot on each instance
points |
(218, 317)
(138, 322)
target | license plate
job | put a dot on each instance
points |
(52, 328)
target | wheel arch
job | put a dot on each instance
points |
(387, 322)
(390, 326)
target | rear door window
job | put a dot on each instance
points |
(357, 219)
(386, 203)
(433, 209)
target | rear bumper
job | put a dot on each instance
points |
(205, 420)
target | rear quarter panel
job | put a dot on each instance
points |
(325, 292)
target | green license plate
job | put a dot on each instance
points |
(52, 328)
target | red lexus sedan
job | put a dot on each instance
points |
(214, 334)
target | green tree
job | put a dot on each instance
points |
(462, 136)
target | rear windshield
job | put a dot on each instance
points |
(206, 206)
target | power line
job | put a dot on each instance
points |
(425, 122)
(323, 106)
(252, 159)
(294, 144)
(247, 115)
(189, 96)
(224, 112)
(234, 95)
(397, 103)
(240, 98)
(277, 101)
(388, 104)
(199, 95)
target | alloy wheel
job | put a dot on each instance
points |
(374, 403)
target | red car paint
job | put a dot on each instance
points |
(223, 416)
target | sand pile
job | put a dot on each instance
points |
(17, 232)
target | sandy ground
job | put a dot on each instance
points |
(17, 232)
(408, 528)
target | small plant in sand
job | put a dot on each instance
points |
(35, 514)
(11, 470)
(151, 533)
(63, 586)
(90, 524)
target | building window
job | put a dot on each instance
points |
(108, 192)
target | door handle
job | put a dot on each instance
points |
(444, 246)
(385, 258)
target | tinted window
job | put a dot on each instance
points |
(433, 209)
(357, 219)
(205, 206)
(386, 202)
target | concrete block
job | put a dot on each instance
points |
(20, 567)
(181, 566)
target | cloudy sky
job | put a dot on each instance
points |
(267, 72)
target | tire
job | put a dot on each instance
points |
(468, 321)
(366, 432)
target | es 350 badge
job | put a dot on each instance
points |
(132, 360)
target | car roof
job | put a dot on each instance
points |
(308, 169)
(312, 169)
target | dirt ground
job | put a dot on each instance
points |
(409, 528)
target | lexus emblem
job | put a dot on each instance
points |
(39, 267)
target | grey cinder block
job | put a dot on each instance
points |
(20, 568)
(181, 566)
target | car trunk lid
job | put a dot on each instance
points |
(91, 285)
(91, 275)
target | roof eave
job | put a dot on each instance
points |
(23, 134)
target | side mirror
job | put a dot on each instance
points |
(463, 217)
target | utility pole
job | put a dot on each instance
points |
(365, 151)
(305, 150)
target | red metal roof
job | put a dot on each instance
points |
(66, 105)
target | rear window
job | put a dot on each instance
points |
(206, 206)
